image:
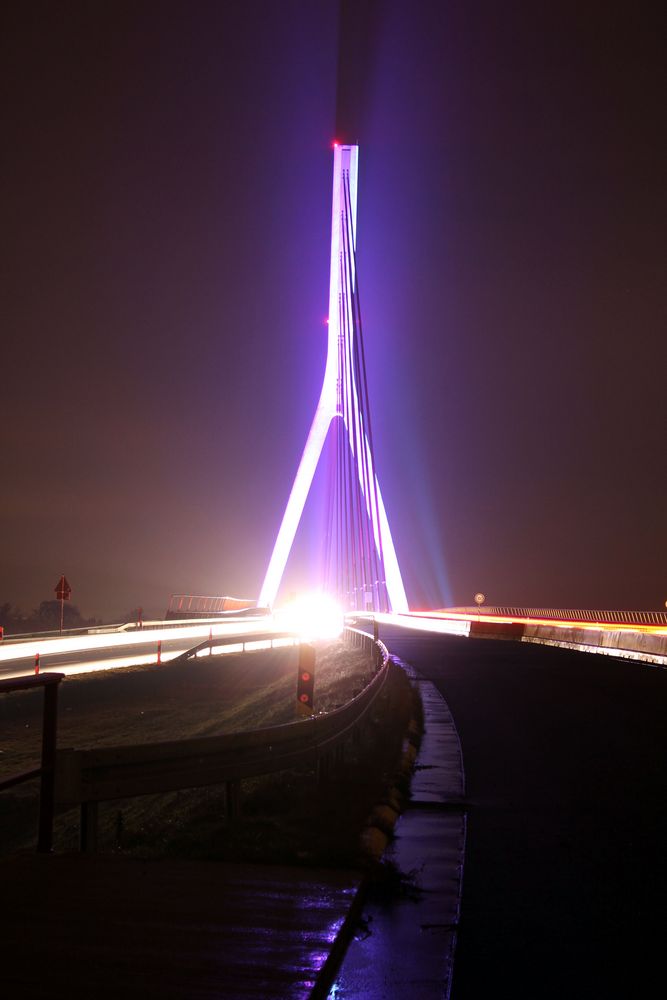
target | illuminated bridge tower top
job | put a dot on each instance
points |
(361, 566)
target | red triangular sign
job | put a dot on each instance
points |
(63, 589)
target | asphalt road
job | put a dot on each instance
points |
(565, 755)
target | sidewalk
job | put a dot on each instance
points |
(408, 949)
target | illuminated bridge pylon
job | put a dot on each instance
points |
(361, 566)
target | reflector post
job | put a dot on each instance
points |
(305, 681)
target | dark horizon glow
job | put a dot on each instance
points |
(166, 185)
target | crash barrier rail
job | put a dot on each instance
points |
(578, 615)
(144, 627)
(46, 771)
(57, 634)
(85, 778)
(247, 641)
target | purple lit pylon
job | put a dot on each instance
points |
(341, 399)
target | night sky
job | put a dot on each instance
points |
(166, 186)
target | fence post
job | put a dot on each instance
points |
(47, 780)
(159, 652)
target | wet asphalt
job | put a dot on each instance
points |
(565, 758)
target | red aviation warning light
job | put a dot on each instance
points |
(305, 682)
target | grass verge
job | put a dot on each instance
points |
(291, 817)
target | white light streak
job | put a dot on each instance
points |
(27, 649)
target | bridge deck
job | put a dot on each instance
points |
(565, 757)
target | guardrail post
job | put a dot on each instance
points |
(88, 831)
(47, 780)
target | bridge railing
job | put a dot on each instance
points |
(202, 604)
(87, 777)
(578, 615)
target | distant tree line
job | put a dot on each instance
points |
(45, 618)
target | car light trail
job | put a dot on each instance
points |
(427, 623)
(26, 649)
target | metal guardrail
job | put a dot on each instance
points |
(46, 771)
(142, 631)
(578, 615)
(87, 777)
(244, 640)
(54, 633)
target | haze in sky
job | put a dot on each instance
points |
(166, 185)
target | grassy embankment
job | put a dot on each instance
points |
(286, 817)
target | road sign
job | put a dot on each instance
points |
(63, 591)
(479, 599)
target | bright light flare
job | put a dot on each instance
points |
(313, 616)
